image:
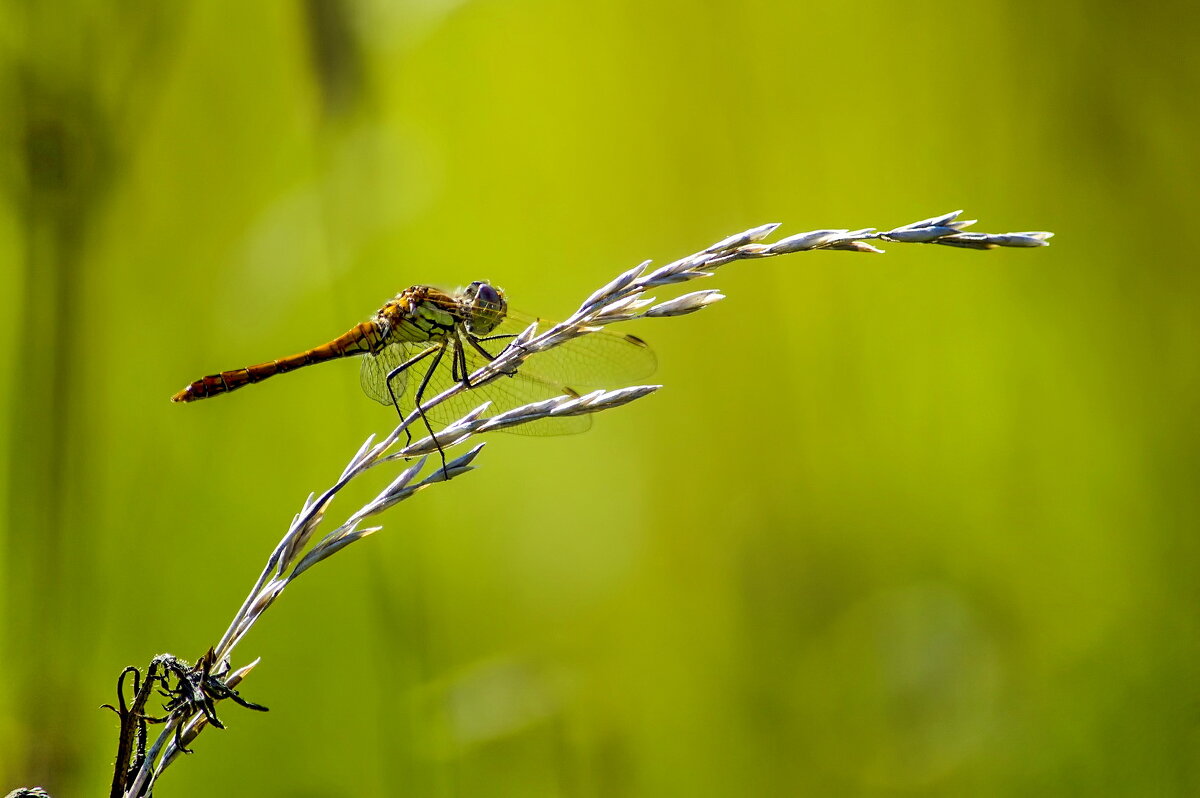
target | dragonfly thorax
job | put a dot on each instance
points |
(484, 307)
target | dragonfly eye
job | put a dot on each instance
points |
(487, 308)
(486, 293)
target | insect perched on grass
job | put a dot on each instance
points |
(425, 340)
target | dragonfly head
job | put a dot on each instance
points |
(485, 305)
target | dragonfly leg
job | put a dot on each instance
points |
(475, 342)
(458, 367)
(496, 337)
(420, 394)
(460, 361)
(400, 370)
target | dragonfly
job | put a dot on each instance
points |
(425, 340)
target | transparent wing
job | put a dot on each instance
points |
(599, 359)
(596, 360)
(504, 393)
(375, 369)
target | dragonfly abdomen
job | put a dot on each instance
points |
(362, 339)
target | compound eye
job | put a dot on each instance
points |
(486, 293)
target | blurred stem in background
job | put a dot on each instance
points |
(65, 152)
(73, 118)
(77, 84)
(337, 58)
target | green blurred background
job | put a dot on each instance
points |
(919, 524)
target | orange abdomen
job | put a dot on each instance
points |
(362, 339)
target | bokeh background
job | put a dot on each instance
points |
(914, 524)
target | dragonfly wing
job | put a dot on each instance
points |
(376, 368)
(598, 359)
(504, 392)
